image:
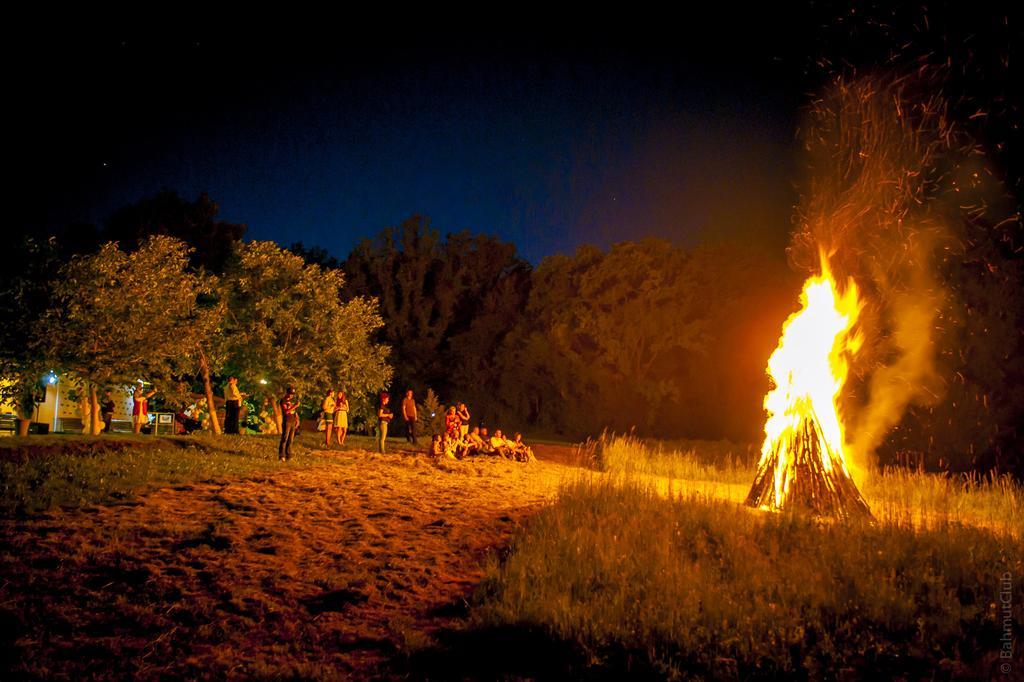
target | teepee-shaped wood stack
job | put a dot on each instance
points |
(809, 483)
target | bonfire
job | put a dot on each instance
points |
(803, 461)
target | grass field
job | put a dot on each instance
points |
(631, 581)
(206, 557)
(198, 557)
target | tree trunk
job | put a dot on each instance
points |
(278, 415)
(94, 410)
(84, 407)
(208, 388)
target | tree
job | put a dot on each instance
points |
(315, 255)
(447, 303)
(214, 248)
(214, 242)
(634, 338)
(288, 326)
(117, 316)
(24, 296)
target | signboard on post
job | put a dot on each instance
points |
(163, 424)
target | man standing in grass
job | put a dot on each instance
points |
(289, 424)
(327, 407)
(107, 410)
(384, 417)
(409, 414)
(232, 406)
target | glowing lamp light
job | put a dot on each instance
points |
(50, 378)
(263, 381)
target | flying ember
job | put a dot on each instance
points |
(803, 462)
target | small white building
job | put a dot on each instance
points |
(61, 409)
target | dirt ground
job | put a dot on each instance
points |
(325, 569)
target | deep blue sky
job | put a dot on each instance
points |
(544, 141)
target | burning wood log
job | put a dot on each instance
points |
(810, 480)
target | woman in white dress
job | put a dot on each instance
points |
(341, 417)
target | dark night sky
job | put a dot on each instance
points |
(546, 140)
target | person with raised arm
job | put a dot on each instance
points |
(140, 407)
(289, 424)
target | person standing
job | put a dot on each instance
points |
(341, 417)
(140, 406)
(289, 424)
(463, 413)
(232, 406)
(410, 415)
(328, 406)
(107, 410)
(384, 417)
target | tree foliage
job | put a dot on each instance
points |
(116, 316)
(447, 303)
(630, 338)
(288, 326)
(213, 241)
(25, 283)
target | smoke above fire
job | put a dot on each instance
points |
(882, 160)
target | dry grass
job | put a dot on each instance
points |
(718, 461)
(633, 575)
(321, 568)
(909, 497)
(219, 561)
(930, 500)
(632, 582)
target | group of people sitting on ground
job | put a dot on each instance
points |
(458, 441)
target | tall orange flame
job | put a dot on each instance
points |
(808, 370)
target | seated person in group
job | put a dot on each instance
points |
(474, 442)
(486, 438)
(437, 446)
(184, 423)
(500, 445)
(522, 451)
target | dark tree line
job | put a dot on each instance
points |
(647, 336)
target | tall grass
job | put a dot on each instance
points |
(697, 586)
(719, 461)
(927, 500)
(905, 496)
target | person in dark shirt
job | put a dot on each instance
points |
(410, 415)
(384, 417)
(107, 410)
(232, 406)
(289, 424)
